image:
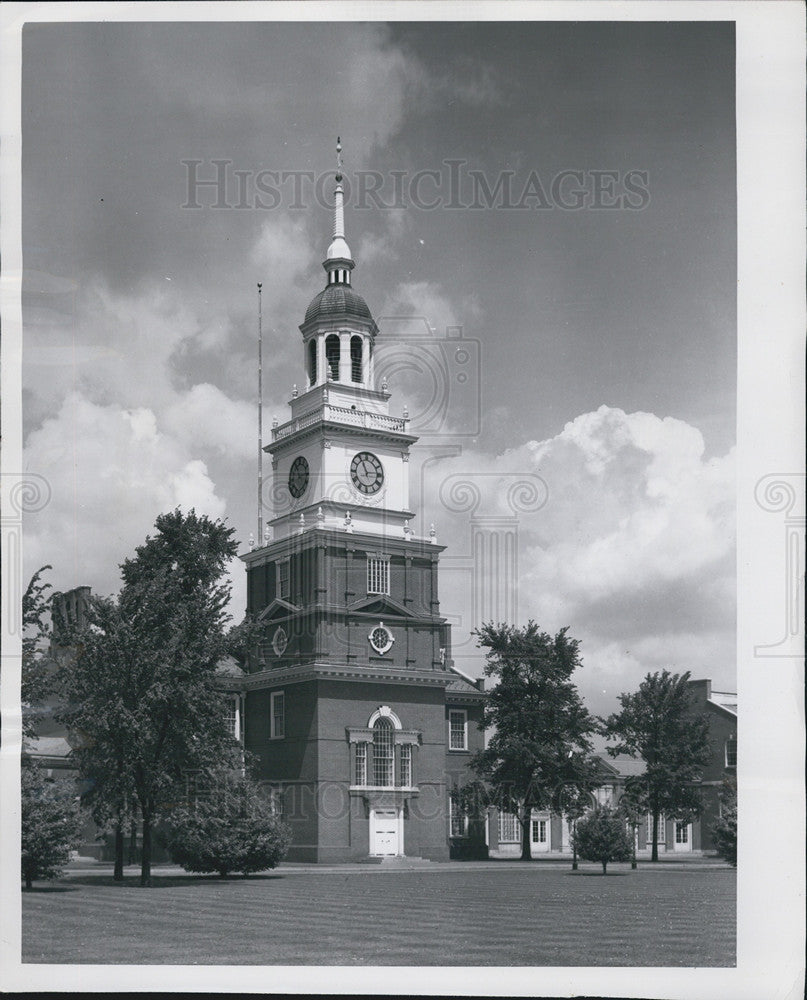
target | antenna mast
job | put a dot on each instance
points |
(260, 417)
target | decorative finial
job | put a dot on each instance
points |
(320, 518)
(407, 531)
(338, 159)
(274, 421)
(432, 534)
(348, 523)
(406, 412)
(267, 534)
(301, 529)
(294, 391)
(384, 384)
(251, 541)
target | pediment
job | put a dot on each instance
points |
(381, 604)
(278, 609)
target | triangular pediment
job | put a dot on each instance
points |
(605, 767)
(381, 604)
(278, 609)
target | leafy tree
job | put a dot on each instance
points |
(574, 802)
(541, 730)
(601, 836)
(658, 723)
(724, 830)
(143, 704)
(35, 674)
(51, 825)
(633, 807)
(231, 827)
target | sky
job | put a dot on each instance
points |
(600, 340)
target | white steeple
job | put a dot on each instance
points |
(339, 250)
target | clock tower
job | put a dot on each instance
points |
(345, 704)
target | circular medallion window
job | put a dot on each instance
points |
(381, 639)
(280, 641)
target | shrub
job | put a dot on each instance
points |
(601, 836)
(724, 830)
(51, 825)
(232, 828)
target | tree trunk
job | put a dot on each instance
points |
(574, 846)
(654, 845)
(633, 846)
(132, 844)
(145, 860)
(28, 881)
(117, 875)
(604, 868)
(526, 850)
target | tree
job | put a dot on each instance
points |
(35, 674)
(574, 803)
(724, 830)
(601, 836)
(632, 807)
(51, 825)
(143, 705)
(658, 723)
(230, 827)
(541, 730)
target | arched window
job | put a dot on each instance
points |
(383, 753)
(332, 356)
(355, 358)
(312, 361)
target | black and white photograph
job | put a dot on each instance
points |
(403, 498)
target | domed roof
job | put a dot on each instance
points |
(337, 300)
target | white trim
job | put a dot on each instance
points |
(464, 713)
(464, 676)
(272, 697)
(278, 592)
(384, 712)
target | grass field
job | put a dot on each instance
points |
(514, 916)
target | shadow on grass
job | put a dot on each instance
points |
(50, 888)
(598, 874)
(171, 881)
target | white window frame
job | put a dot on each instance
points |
(464, 713)
(681, 832)
(451, 817)
(378, 573)
(273, 727)
(504, 819)
(733, 743)
(234, 701)
(278, 579)
(360, 766)
(405, 756)
(662, 829)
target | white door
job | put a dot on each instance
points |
(385, 832)
(682, 836)
(539, 830)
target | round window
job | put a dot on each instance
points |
(381, 639)
(280, 641)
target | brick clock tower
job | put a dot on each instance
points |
(350, 702)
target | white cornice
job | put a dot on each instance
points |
(342, 672)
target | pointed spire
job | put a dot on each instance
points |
(338, 262)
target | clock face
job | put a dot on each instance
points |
(298, 477)
(367, 473)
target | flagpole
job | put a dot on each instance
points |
(260, 417)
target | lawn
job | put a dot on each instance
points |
(538, 915)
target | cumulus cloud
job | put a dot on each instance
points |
(111, 471)
(633, 547)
